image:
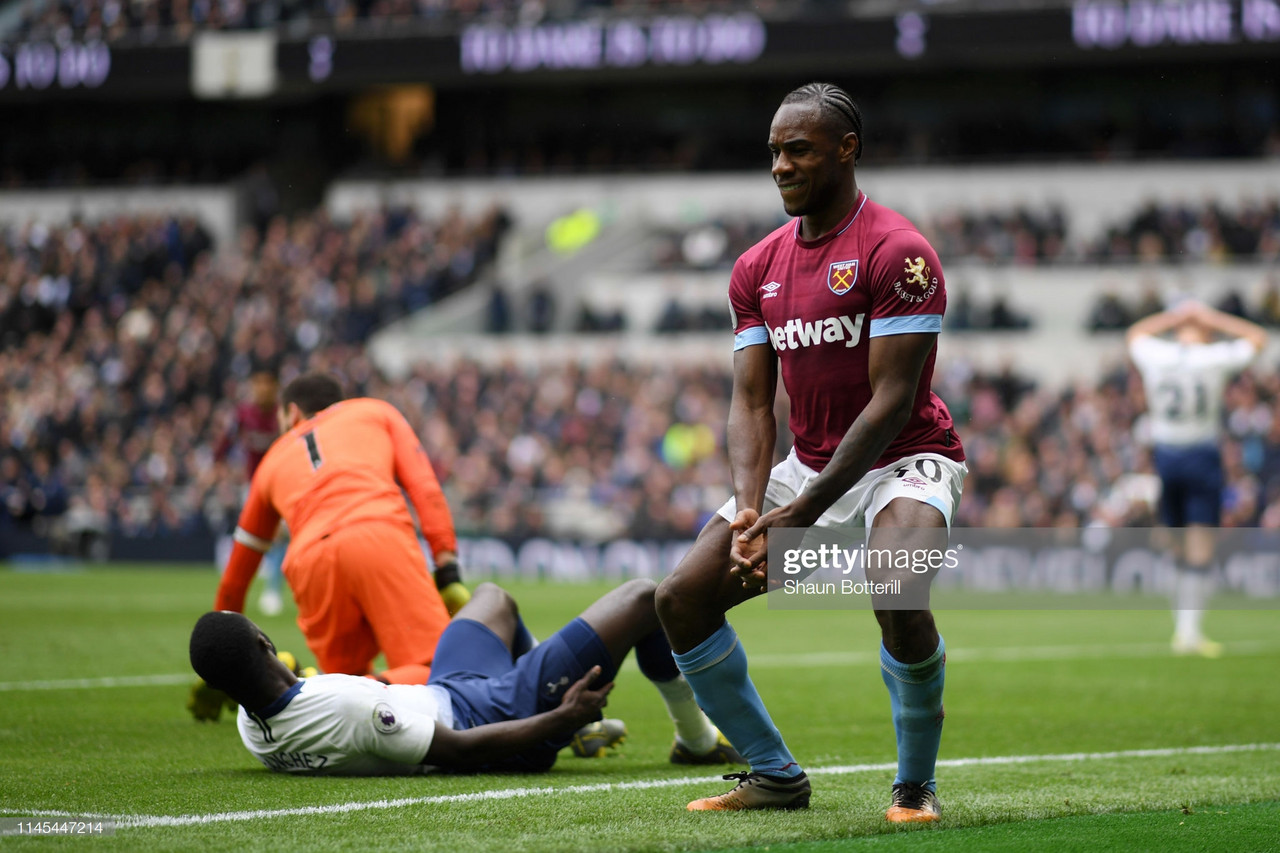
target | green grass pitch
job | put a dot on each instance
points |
(1066, 730)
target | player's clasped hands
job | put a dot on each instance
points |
(748, 549)
(581, 704)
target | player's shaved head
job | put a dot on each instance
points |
(838, 110)
(224, 651)
(313, 393)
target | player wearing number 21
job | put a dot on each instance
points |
(1184, 378)
(844, 303)
(357, 572)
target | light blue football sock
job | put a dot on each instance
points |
(915, 693)
(717, 670)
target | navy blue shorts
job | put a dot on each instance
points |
(1190, 484)
(487, 686)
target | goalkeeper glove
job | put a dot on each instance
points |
(297, 669)
(452, 591)
(205, 702)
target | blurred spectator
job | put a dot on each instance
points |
(677, 317)
(1207, 232)
(498, 312)
(1025, 236)
(124, 342)
(542, 308)
(1110, 314)
(592, 319)
(1020, 236)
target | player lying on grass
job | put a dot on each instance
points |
(495, 700)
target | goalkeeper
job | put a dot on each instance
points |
(358, 574)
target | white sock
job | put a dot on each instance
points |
(693, 728)
(1191, 592)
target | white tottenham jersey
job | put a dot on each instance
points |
(347, 725)
(1185, 384)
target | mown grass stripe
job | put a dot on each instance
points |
(1014, 654)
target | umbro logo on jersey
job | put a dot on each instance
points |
(799, 333)
(771, 289)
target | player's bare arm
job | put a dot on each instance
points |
(894, 366)
(488, 743)
(1229, 324)
(1158, 324)
(752, 434)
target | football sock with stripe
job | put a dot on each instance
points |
(716, 669)
(693, 729)
(915, 695)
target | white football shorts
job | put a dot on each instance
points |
(925, 477)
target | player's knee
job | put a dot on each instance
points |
(640, 593)
(494, 597)
(670, 597)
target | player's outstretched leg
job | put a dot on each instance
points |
(697, 741)
(692, 602)
(913, 666)
(626, 618)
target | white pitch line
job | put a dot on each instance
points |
(82, 683)
(1013, 654)
(152, 821)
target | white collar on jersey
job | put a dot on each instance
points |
(842, 230)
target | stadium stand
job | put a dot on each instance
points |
(179, 19)
(123, 341)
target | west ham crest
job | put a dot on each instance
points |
(841, 276)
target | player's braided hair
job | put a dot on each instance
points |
(222, 648)
(837, 105)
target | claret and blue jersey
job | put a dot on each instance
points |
(818, 303)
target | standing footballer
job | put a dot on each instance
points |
(846, 302)
(1185, 379)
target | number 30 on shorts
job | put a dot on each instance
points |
(930, 469)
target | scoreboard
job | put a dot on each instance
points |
(628, 49)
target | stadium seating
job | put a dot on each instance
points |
(570, 430)
(124, 340)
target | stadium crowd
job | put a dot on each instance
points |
(147, 20)
(1206, 232)
(125, 344)
(1019, 235)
